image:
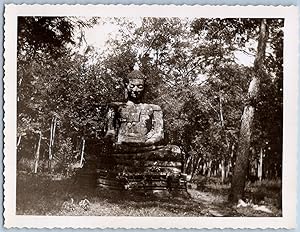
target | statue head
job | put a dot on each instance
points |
(135, 85)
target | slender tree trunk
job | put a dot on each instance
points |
(186, 165)
(227, 169)
(260, 165)
(227, 143)
(82, 151)
(197, 166)
(221, 110)
(50, 146)
(204, 168)
(19, 140)
(54, 128)
(192, 165)
(37, 154)
(209, 168)
(51, 141)
(242, 157)
(222, 171)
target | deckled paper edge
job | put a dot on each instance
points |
(290, 102)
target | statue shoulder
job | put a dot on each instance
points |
(116, 105)
(155, 107)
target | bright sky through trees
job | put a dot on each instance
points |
(98, 35)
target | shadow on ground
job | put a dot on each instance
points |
(51, 195)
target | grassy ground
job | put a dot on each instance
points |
(53, 195)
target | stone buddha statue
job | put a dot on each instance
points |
(138, 153)
(135, 123)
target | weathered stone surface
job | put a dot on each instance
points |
(162, 155)
(163, 164)
(127, 148)
(137, 159)
(146, 181)
(140, 124)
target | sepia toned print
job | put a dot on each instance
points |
(155, 119)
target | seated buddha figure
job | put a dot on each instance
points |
(133, 123)
(138, 150)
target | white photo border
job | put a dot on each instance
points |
(290, 125)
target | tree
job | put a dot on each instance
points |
(242, 156)
(191, 63)
(44, 60)
(192, 71)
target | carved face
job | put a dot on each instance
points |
(135, 89)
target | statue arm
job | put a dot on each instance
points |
(156, 134)
(111, 131)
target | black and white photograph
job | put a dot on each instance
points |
(145, 116)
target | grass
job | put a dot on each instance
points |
(55, 195)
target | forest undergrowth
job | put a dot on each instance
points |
(44, 194)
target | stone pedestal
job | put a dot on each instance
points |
(131, 156)
(147, 171)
